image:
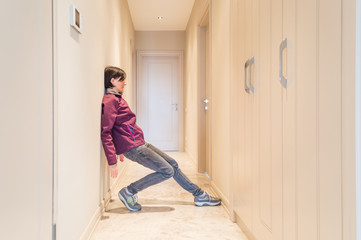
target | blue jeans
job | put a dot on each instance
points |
(164, 166)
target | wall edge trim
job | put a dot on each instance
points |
(225, 201)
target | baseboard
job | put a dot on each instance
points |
(225, 201)
(99, 212)
(92, 224)
(244, 228)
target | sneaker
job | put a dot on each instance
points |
(206, 200)
(130, 200)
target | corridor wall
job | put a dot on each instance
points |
(191, 86)
(107, 38)
(26, 119)
(220, 101)
(221, 130)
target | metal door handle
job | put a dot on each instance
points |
(251, 87)
(283, 46)
(246, 88)
(206, 101)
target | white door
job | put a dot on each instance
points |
(158, 100)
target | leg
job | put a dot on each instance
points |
(200, 198)
(150, 159)
(179, 176)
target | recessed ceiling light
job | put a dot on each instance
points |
(160, 18)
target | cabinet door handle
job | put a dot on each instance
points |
(283, 46)
(246, 88)
(251, 87)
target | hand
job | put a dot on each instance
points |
(120, 157)
(113, 170)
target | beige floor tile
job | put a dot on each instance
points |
(168, 211)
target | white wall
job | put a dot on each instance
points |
(160, 40)
(81, 58)
(220, 65)
(191, 89)
(221, 132)
(26, 119)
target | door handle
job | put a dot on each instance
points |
(206, 101)
(246, 65)
(248, 88)
(283, 46)
(251, 86)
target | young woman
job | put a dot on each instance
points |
(123, 137)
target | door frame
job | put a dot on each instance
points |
(202, 68)
(179, 55)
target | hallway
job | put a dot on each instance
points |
(168, 211)
(273, 86)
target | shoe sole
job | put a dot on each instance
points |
(126, 204)
(202, 204)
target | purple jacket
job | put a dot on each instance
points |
(119, 132)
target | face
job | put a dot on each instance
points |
(118, 85)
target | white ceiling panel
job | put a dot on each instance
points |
(175, 14)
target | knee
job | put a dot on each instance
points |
(175, 166)
(168, 172)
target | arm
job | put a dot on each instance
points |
(109, 114)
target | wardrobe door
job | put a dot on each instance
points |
(318, 120)
(307, 179)
(254, 97)
(276, 119)
(329, 119)
(311, 120)
(247, 205)
(238, 108)
(288, 67)
(268, 165)
(263, 219)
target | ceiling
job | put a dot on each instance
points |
(175, 14)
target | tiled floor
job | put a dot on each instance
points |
(167, 211)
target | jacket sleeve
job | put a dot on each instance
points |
(109, 114)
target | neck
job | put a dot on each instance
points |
(113, 91)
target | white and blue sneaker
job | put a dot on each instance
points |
(130, 200)
(206, 200)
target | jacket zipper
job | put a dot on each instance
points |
(130, 131)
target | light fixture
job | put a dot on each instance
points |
(160, 17)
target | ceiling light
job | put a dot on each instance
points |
(160, 18)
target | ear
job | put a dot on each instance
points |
(112, 81)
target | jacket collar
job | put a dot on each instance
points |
(111, 91)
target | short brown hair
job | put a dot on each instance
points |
(113, 72)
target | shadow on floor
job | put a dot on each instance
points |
(145, 209)
(113, 203)
(116, 206)
(164, 202)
